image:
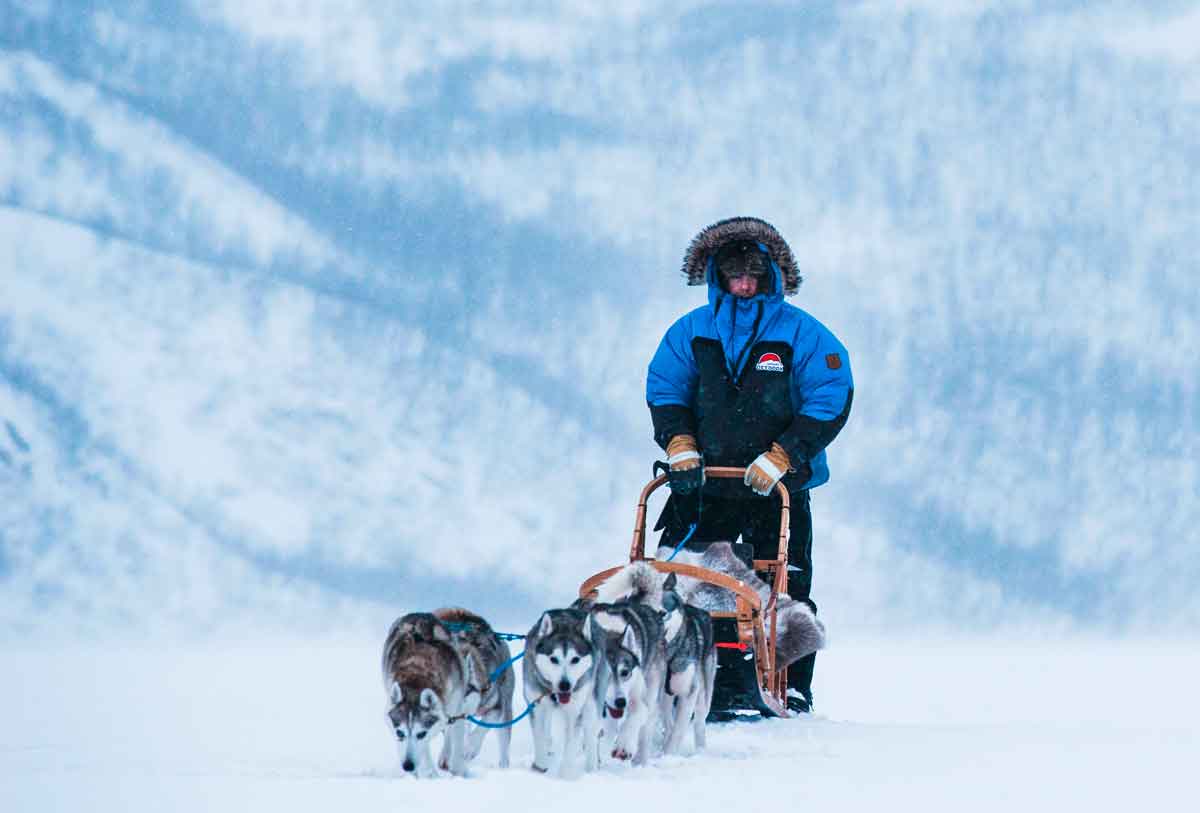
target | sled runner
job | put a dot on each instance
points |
(745, 637)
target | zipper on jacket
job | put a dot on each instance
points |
(739, 371)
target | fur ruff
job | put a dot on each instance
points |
(711, 238)
(638, 581)
(799, 631)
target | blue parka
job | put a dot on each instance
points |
(741, 373)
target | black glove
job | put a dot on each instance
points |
(687, 467)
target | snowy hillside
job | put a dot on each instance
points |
(313, 312)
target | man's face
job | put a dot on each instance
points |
(743, 267)
(743, 286)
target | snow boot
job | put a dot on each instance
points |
(799, 681)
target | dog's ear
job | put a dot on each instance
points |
(589, 634)
(429, 699)
(396, 693)
(629, 641)
(545, 626)
(669, 582)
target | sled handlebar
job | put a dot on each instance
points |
(638, 549)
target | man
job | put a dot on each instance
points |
(750, 381)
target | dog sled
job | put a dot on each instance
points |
(746, 635)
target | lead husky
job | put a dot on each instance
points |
(429, 692)
(428, 685)
(563, 683)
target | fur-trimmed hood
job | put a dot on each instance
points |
(705, 244)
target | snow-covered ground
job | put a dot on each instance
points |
(264, 725)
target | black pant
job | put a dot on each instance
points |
(756, 521)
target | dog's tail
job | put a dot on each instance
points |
(638, 581)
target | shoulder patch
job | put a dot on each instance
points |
(770, 362)
(833, 361)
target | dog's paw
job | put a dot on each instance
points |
(537, 768)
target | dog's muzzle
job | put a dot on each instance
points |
(617, 710)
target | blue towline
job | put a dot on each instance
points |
(683, 541)
(499, 670)
(456, 626)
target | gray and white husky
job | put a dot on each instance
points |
(477, 644)
(563, 681)
(691, 670)
(798, 632)
(689, 659)
(635, 659)
(437, 669)
(429, 690)
(639, 584)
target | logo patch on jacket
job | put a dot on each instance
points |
(833, 361)
(770, 362)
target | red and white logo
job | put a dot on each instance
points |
(770, 362)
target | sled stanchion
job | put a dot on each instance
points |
(638, 549)
(776, 682)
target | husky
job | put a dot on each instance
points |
(438, 668)
(563, 682)
(635, 659)
(798, 632)
(429, 692)
(655, 605)
(689, 659)
(691, 672)
(487, 655)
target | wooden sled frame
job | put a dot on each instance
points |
(755, 622)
